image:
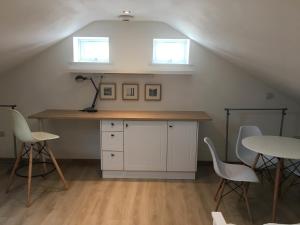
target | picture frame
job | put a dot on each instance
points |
(130, 91)
(153, 92)
(108, 91)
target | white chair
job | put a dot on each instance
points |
(29, 140)
(236, 177)
(218, 219)
(249, 157)
(280, 224)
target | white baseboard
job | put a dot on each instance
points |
(149, 175)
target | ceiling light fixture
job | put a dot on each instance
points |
(126, 15)
(127, 12)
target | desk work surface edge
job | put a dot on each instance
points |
(122, 115)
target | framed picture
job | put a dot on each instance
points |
(107, 91)
(152, 92)
(130, 91)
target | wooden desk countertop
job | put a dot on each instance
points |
(123, 115)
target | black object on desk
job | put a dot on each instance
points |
(92, 107)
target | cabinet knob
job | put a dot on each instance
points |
(126, 125)
(112, 124)
(112, 135)
(112, 155)
(170, 126)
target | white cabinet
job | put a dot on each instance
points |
(145, 145)
(149, 149)
(182, 146)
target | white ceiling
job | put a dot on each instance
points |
(262, 36)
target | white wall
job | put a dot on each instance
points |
(44, 83)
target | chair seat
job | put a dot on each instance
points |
(236, 172)
(43, 136)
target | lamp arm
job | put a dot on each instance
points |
(97, 90)
(91, 79)
(95, 98)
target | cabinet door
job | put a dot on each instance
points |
(145, 145)
(182, 146)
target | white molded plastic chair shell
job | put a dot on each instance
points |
(217, 163)
(280, 224)
(246, 155)
(20, 127)
(234, 172)
(23, 132)
(218, 219)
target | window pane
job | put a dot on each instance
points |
(171, 51)
(91, 50)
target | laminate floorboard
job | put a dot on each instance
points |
(91, 200)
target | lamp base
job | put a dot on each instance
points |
(89, 109)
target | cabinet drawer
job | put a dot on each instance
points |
(112, 125)
(112, 141)
(112, 160)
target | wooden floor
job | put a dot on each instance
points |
(91, 200)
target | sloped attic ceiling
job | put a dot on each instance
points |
(262, 36)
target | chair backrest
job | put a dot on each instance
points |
(241, 150)
(218, 164)
(20, 126)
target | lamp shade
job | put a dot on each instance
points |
(80, 78)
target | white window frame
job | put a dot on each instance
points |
(186, 52)
(76, 49)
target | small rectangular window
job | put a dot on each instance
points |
(171, 51)
(91, 49)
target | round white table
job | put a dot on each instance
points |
(280, 147)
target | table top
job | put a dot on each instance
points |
(123, 115)
(281, 147)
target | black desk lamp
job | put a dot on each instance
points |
(92, 108)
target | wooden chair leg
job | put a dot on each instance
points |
(220, 195)
(29, 178)
(219, 188)
(57, 168)
(17, 162)
(277, 187)
(245, 190)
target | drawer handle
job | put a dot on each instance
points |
(170, 126)
(112, 135)
(126, 125)
(112, 155)
(112, 124)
